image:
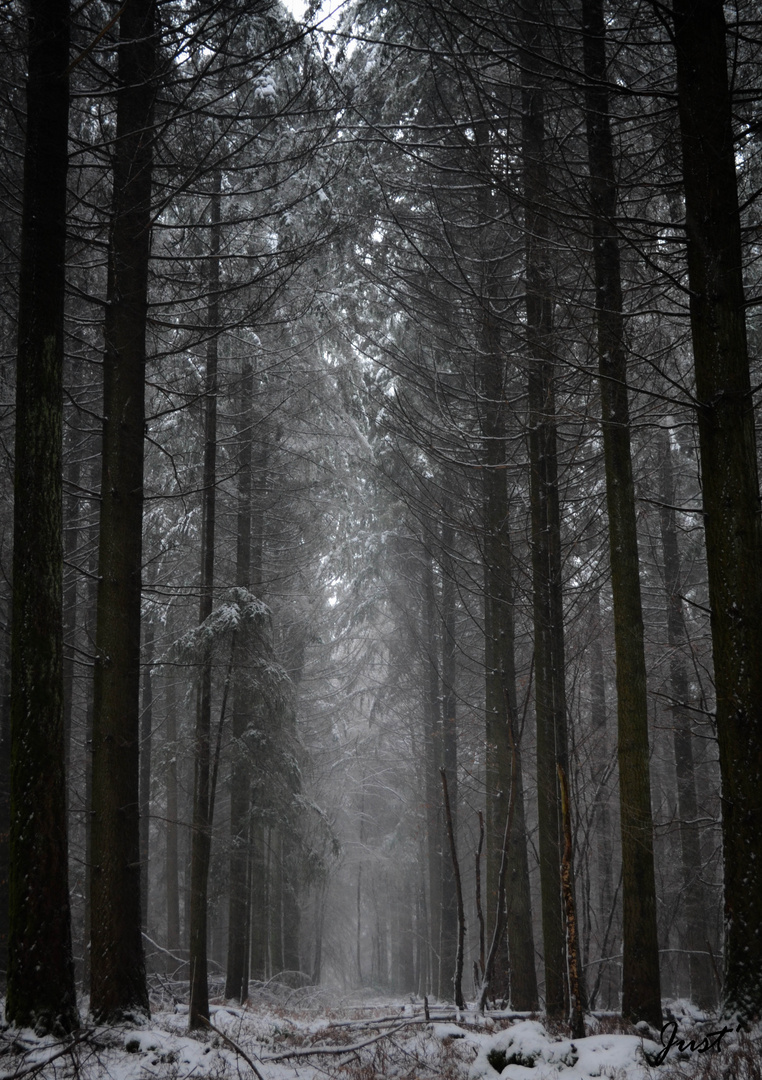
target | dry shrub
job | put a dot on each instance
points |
(741, 1060)
(446, 1059)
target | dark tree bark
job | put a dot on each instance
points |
(550, 691)
(40, 994)
(118, 985)
(457, 979)
(696, 902)
(641, 990)
(478, 896)
(577, 1018)
(727, 443)
(203, 794)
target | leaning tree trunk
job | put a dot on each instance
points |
(641, 991)
(730, 485)
(550, 692)
(40, 969)
(203, 795)
(117, 976)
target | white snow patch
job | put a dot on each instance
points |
(525, 1051)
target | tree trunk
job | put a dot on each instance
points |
(729, 476)
(502, 729)
(275, 903)
(696, 903)
(203, 795)
(449, 923)
(146, 736)
(71, 574)
(457, 979)
(550, 692)
(237, 980)
(5, 790)
(255, 945)
(40, 968)
(602, 813)
(258, 865)
(641, 991)
(118, 985)
(172, 855)
(292, 912)
(577, 1018)
(91, 622)
(433, 753)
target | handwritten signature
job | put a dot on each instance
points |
(711, 1041)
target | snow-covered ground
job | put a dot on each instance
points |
(366, 1040)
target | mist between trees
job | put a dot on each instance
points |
(382, 468)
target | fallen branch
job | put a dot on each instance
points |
(233, 1046)
(31, 1070)
(335, 1050)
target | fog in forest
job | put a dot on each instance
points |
(380, 537)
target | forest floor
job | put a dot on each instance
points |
(312, 1035)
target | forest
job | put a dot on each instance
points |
(381, 593)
